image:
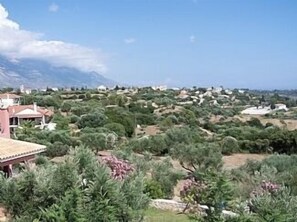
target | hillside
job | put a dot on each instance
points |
(134, 146)
(38, 74)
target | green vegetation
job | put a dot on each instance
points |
(166, 140)
(152, 215)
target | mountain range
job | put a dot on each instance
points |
(35, 73)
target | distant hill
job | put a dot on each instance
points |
(39, 74)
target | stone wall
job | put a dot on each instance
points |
(171, 205)
(178, 206)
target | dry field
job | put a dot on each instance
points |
(166, 110)
(148, 131)
(239, 159)
(290, 124)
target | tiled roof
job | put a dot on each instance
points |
(9, 96)
(12, 149)
(14, 110)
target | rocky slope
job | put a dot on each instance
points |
(39, 74)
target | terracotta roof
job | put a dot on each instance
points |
(12, 149)
(9, 96)
(14, 110)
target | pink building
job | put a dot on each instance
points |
(4, 123)
(20, 113)
(12, 114)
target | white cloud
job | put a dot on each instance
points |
(192, 39)
(129, 40)
(53, 7)
(16, 43)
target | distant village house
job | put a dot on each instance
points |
(12, 114)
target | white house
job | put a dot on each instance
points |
(228, 91)
(217, 90)
(208, 94)
(160, 88)
(280, 106)
(9, 100)
(55, 89)
(101, 88)
(256, 110)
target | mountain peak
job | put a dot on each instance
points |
(39, 74)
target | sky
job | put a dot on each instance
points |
(230, 43)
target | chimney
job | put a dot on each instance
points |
(35, 107)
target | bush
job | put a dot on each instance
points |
(95, 141)
(257, 146)
(74, 119)
(229, 145)
(255, 122)
(81, 110)
(61, 121)
(79, 189)
(81, 96)
(92, 120)
(153, 189)
(57, 149)
(123, 117)
(41, 160)
(118, 128)
(279, 206)
(145, 119)
(164, 174)
(66, 106)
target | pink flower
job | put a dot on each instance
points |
(119, 168)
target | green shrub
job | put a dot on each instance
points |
(74, 119)
(41, 160)
(61, 121)
(164, 174)
(57, 149)
(229, 145)
(153, 189)
(92, 120)
(118, 128)
(255, 122)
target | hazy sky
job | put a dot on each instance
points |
(234, 43)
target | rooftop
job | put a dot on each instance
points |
(28, 111)
(9, 96)
(11, 149)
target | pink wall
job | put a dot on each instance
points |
(4, 122)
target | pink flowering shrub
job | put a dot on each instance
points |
(191, 189)
(187, 186)
(269, 186)
(266, 187)
(119, 168)
(211, 189)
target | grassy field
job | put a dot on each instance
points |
(155, 215)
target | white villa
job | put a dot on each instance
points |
(9, 100)
(264, 110)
